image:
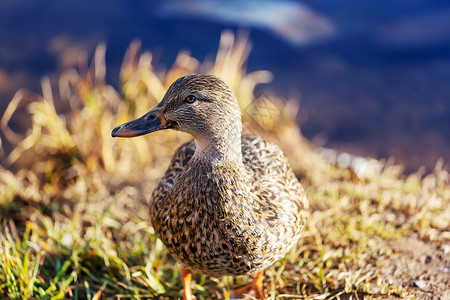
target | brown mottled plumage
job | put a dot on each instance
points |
(229, 204)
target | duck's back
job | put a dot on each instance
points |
(270, 222)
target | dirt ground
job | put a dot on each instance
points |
(421, 266)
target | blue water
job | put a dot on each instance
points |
(373, 77)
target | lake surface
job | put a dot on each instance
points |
(373, 77)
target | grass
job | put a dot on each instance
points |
(73, 200)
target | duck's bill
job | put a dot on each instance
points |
(152, 121)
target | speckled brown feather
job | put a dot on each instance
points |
(223, 218)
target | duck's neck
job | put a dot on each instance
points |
(224, 147)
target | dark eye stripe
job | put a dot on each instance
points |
(204, 99)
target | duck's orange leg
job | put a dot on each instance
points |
(186, 275)
(255, 288)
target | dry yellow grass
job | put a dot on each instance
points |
(73, 200)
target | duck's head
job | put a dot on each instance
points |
(201, 105)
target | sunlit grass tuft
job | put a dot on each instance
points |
(73, 199)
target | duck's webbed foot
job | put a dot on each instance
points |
(255, 289)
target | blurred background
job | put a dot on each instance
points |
(372, 77)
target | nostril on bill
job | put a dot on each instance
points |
(151, 116)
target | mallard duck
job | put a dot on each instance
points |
(229, 203)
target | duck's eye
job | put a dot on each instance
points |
(190, 99)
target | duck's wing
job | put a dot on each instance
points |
(179, 161)
(280, 201)
(273, 175)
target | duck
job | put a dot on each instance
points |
(229, 202)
